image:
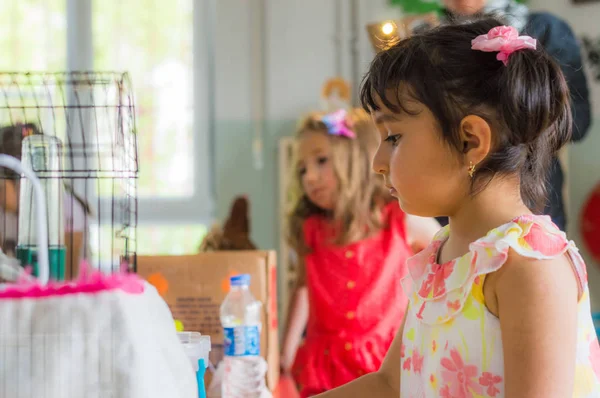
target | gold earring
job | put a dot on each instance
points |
(471, 169)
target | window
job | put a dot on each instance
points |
(32, 35)
(154, 240)
(170, 240)
(153, 41)
(165, 47)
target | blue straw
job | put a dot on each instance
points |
(200, 378)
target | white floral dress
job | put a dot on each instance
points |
(452, 345)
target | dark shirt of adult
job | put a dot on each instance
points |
(558, 39)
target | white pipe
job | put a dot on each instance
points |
(79, 95)
(354, 55)
(337, 37)
(258, 66)
(205, 112)
(80, 56)
(41, 217)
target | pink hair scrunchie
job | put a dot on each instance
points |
(504, 40)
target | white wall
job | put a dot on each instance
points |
(300, 46)
(300, 42)
(584, 162)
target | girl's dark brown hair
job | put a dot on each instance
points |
(361, 192)
(526, 102)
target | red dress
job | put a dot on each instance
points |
(356, 303)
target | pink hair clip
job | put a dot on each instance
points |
(505, 40)
(338, 124)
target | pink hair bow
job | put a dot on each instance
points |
(505, 40)
(338, 124)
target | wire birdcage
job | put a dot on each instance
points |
(87, 121)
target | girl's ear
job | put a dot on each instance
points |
(476, 136)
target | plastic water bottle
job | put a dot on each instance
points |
(244, 368)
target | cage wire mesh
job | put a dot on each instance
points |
(84, 125)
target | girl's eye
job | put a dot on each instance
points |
(302, 171)
(393, 139)
(322, 160)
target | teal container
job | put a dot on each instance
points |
(200, 378)
(596, 318)
(56, 260)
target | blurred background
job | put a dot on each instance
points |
(219, 83)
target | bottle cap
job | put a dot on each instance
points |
(240, 280)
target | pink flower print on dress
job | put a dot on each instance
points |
(595, 355)
(436, 280)
(406, 365)
(546, 243)
(474, 260)
(461, 378)
(453, 305)
(417, 361)
(489, 380)
(435, 249)
(420, 313)
(445, 392)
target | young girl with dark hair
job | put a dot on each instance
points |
(469, 118)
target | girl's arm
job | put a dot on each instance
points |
(385, 383)
(537, 307)
(297, 320)
(420, 231)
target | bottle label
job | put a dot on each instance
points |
(241, 341)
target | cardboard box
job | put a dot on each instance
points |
(194, 287)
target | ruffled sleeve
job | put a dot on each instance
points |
(442, 290)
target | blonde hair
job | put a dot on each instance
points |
(361, 192)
